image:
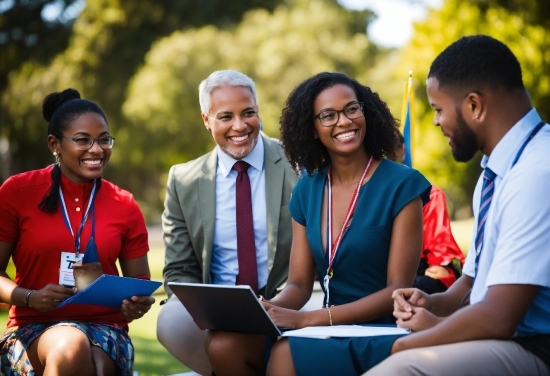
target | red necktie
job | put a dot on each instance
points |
(246, 248)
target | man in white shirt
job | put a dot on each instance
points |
(475, 87)
(200, 216)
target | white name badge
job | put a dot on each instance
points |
(66, 276)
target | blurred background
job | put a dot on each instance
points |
(142, 61)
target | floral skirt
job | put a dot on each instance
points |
(113, 339)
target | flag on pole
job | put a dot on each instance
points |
(408, 118)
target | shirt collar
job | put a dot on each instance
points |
(75, 189)
(504, 152)
(255, 158)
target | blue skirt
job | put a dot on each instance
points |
(113, 339)
(339, 355)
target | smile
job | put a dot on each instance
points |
(92, 162)
(345, 135)
(239, 138)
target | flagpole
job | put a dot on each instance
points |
(408, 118)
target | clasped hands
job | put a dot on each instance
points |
(411, 308)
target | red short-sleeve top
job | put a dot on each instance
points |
(40, 237)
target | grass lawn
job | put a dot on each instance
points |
(151, 358)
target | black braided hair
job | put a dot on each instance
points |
(60, 109)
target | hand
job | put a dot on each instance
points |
(283, 317)
(49, 297)
(436, 272)
(421, 319)
(136, 307)
(405, 299)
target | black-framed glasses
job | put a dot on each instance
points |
(328, 118)
(85, 143)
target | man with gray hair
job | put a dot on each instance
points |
(234, 197)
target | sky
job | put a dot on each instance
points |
(393, 28)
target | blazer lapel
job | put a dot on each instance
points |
(207, 202)
(274, 178)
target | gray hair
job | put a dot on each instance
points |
(223, 78)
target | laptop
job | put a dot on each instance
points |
(225, 307)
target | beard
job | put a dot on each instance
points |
(465, 141)
(237, 153)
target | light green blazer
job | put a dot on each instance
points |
(189, 214)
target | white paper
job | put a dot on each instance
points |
(344, 331)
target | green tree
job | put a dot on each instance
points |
(441, 27)
(535, 12)
(26, 35)
(278, 50)
(108, 43)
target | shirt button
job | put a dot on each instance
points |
(76, 199)
(77, 209)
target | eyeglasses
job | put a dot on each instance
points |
(85, 143)
(227, 117)
(329, 118)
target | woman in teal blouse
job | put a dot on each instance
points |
(357, 226)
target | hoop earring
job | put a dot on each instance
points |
(56, 155)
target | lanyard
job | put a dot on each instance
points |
(84, 219)
(332, 248)
(520, 151)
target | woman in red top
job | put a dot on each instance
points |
(441, 260)
(48, 219)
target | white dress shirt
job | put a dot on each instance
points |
(224, 265)
(516, 246)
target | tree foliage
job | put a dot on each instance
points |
(534, 12)
(529, 42)
(110, 39)
(143, 60)
(108, 43)
(26, 35)
(278, 50)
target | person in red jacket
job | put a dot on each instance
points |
(441, 261)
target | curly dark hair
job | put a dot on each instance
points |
(476, 61)
(296, 123)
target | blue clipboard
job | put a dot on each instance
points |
(111, 290)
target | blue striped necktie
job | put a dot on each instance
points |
(487, 191)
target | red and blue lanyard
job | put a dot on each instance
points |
(332, 249)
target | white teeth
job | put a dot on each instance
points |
(343, 136)
(239, 139)
(95, 162)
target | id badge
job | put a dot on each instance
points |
(66, 277)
